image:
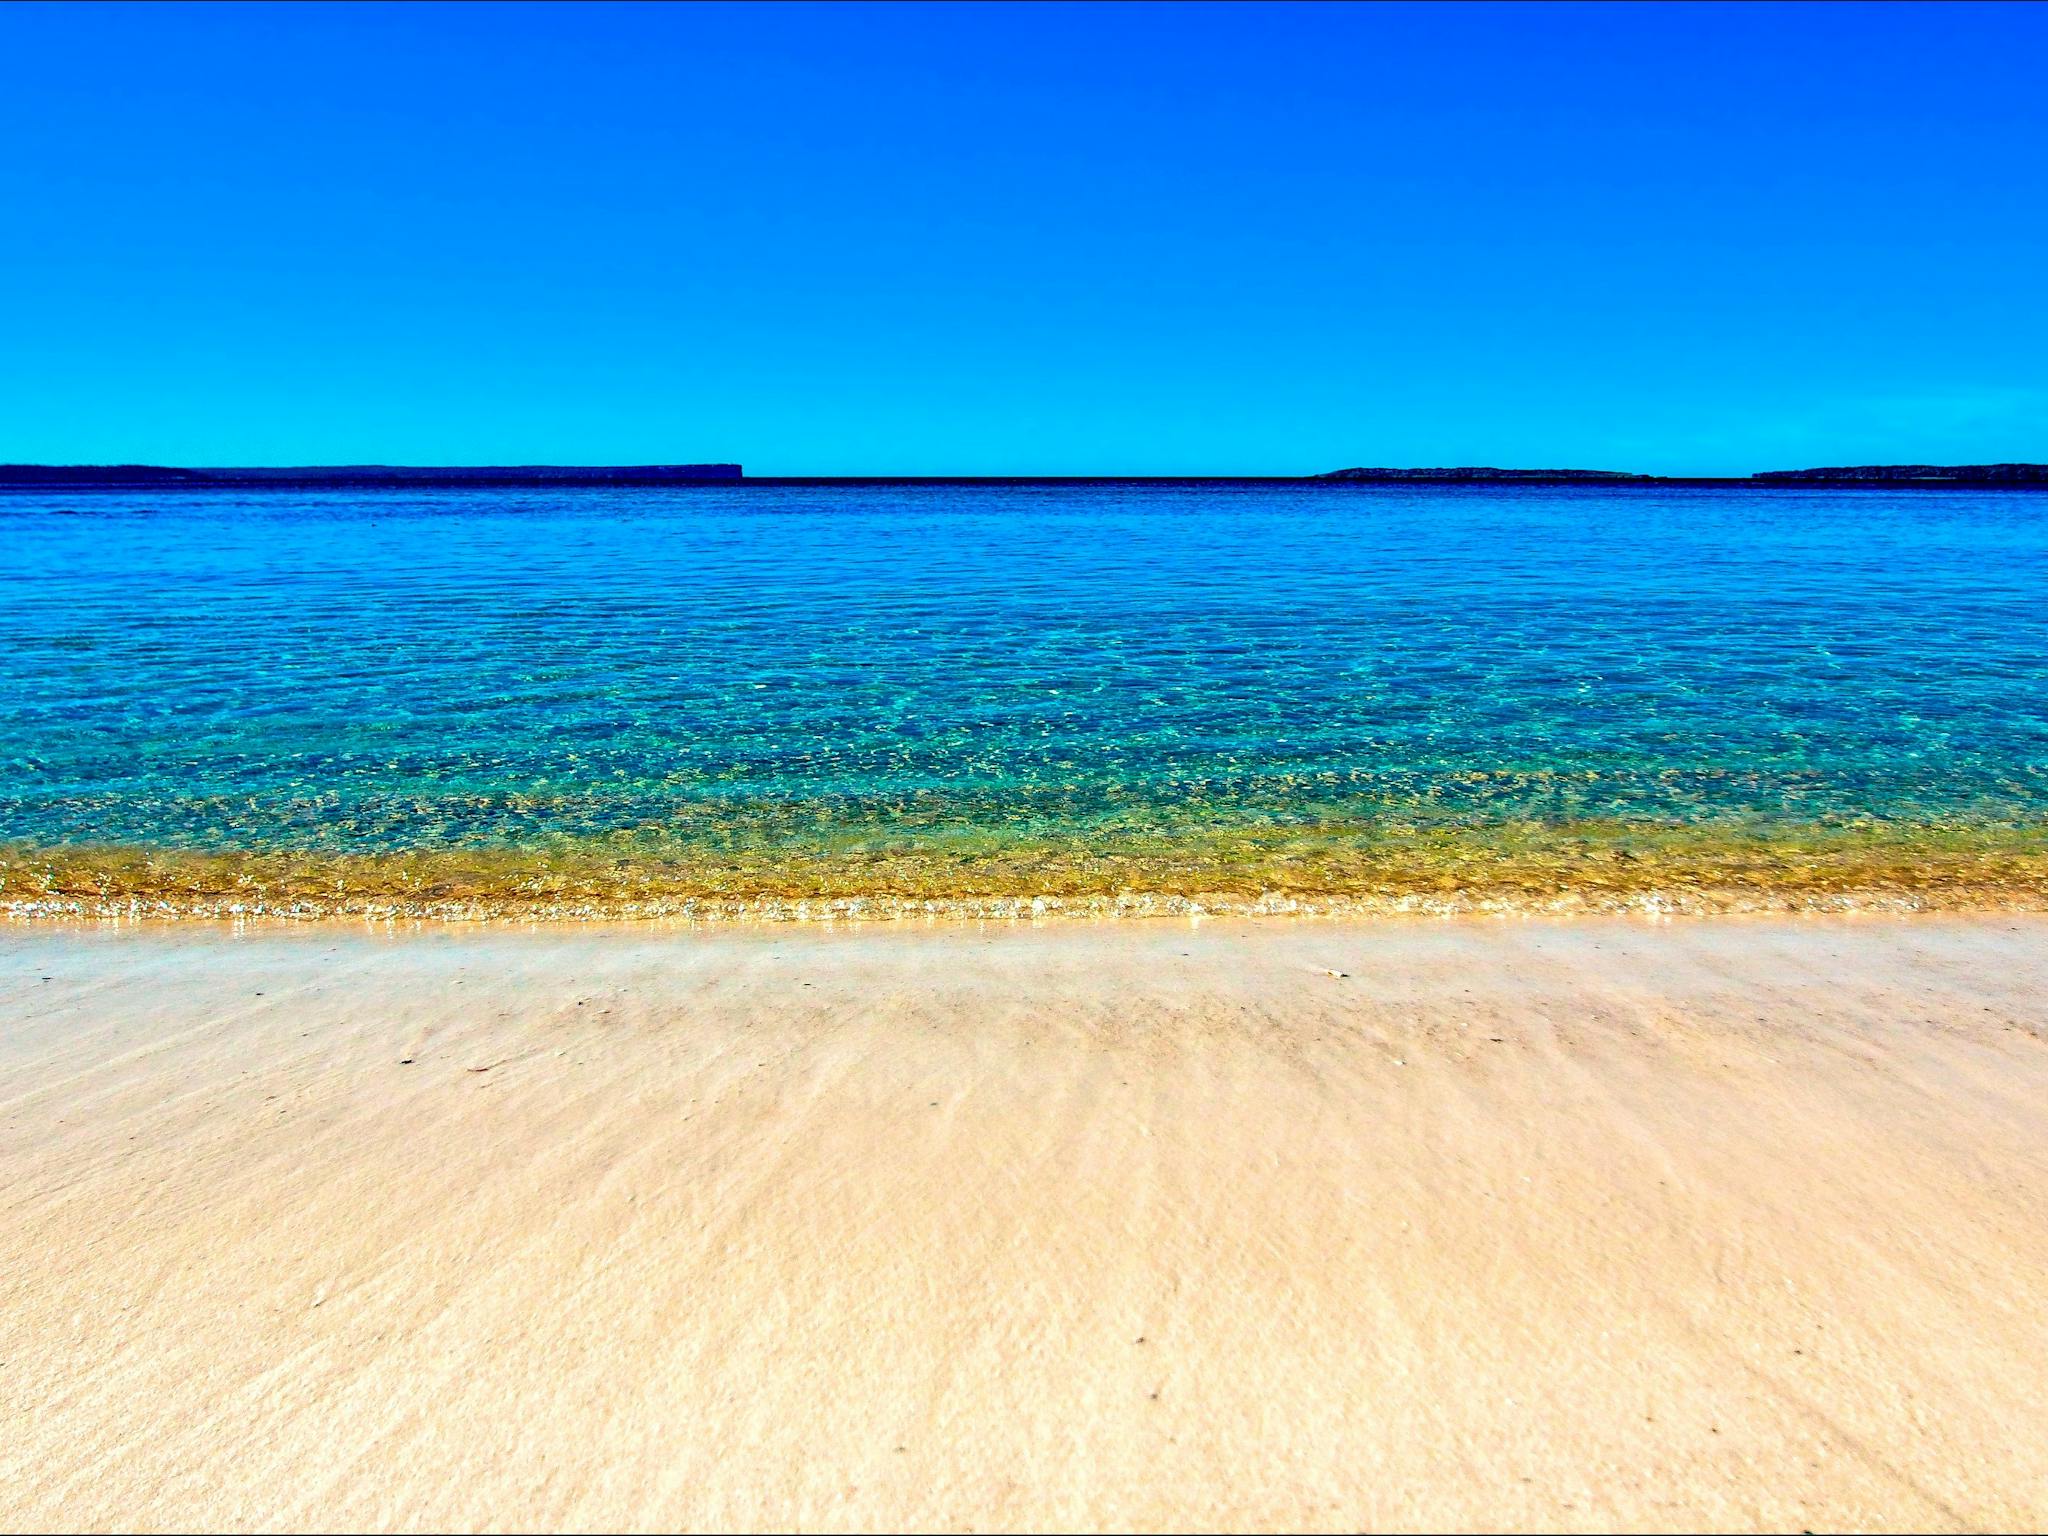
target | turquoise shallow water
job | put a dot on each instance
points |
(349, 672)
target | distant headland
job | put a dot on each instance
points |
(400, 476)
(1861, 474)
(1917, 474)
(115, 476)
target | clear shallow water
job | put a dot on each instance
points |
(829, 667)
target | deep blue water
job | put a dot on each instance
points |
(348, 670)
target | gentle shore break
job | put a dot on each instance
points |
(1527, 868)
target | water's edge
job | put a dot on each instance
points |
(1534, 870)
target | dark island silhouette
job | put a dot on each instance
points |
(1861, 474)
(320, 476)
(1916, 474)
(375, 476)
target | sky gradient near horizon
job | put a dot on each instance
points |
(1025, 239)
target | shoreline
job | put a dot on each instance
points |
(1703, 905)
(1340, 871)
(854, 920)
(1596, 1223)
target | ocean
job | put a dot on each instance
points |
(750, 696)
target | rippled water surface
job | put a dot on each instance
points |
(410, 670)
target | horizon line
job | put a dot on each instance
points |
(24, 475)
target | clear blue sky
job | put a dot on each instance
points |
(1055, 239)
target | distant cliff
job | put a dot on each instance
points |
(1940, 474)
(340, 476)
(1485, 475)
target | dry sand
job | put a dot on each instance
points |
(1734, 1223)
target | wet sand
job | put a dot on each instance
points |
(1600, 1224)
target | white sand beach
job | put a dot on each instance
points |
(1602, 1224)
